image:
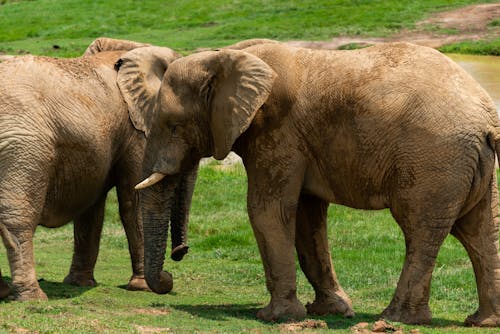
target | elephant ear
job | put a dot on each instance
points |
(110, 44)
(240, 86)
(140, 73)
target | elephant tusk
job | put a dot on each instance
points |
(152, 179)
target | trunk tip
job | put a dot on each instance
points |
(178, 252)
(164, 285)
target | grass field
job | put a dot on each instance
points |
(220, 284)
(185, 25)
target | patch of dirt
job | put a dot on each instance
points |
(467, 23)
(380, 326)
(152, 311)
(467, 19)
(302, 325)
(152, 330)
(19, 330)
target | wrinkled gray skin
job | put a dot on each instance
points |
(394, 126)
(66, 140)
(168, 202)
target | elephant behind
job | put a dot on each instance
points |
(65, 140)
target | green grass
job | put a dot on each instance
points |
(491, 48)
(220, 285)
(186, 25)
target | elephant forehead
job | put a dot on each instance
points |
(170, 105)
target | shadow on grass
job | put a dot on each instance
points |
(221, 312)
(54, 290)
(339, 322)
(59, 290)
(249, 311)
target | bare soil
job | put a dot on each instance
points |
(468, 23)
(302, 325)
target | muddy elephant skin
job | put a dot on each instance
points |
(66, 139)
(394, 126)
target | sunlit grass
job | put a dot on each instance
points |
(66, 27)
(220, 284)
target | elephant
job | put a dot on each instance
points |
(395, 126)
(66, 140)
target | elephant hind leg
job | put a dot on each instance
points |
(19, 247)
(314, 256)
(424, 234)
(478, 233)
(87, 230)
(4, 288)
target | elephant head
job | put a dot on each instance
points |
(110, 44)
(202, 105)
(140, 72)
(205, 102)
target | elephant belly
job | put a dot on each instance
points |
(63, 206)
(344, 190)
(74, 189)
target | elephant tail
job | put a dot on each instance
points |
(494, 142)
(10, 241)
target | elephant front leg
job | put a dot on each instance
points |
(87, 234)
(133, 229)
(315, 260)
(273, 223)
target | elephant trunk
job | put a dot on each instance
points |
(180, 214)
(156, 202)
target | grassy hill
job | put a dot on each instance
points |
(66, 27)
(220, 284)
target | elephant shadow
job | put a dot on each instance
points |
(339, 322)
(220, 312)
(55, 290)
(249, 311)
(60, 290)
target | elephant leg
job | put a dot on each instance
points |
(18, 240)
(272, 212)
(314, 256)
(87, 230)
(478, 233)
(4, 287)
(424, 236)
(133, 229)
(276, 245)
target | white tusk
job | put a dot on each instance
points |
(152, 179)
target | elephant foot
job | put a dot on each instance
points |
(80, 279)
(408, 315)
(138, 283)
(283, 310)
(338, 303)
(4, 289)
(481, 320)
(29, 294)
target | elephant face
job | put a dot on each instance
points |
(205, 102)
(140, 72)
(198, 108)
